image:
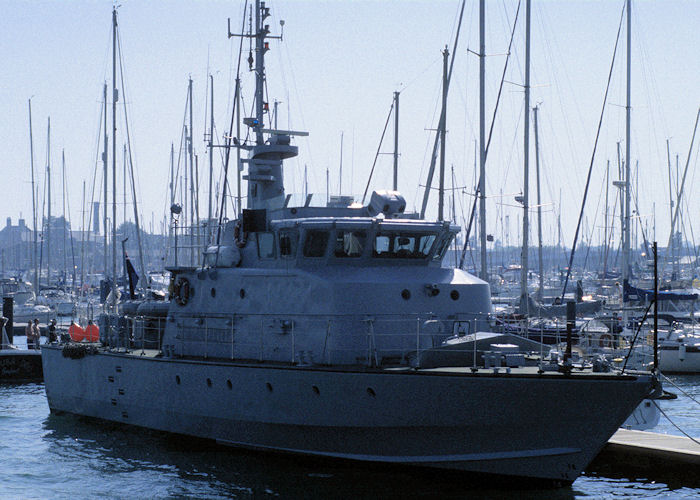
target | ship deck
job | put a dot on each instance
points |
(527, 371)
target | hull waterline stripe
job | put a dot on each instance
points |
(498, 455)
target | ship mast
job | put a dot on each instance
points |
(261, 13)
(265, 175)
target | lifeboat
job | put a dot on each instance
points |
(92, 332)
(76, 332)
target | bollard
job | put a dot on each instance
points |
(570, 324)
(8, 312)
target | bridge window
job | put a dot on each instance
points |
(403, 245)
(349, 243)
(266, 245)
(442, 247)
(288, 243)
(315, 243)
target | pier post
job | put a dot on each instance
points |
(7, 312)
(570, 323)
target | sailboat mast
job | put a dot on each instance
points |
(454, 213)
(124, 162)
(670, 197)
(396, 142)
(526, 156)
(63, 197)
(211, 157)
(539, 207)
(306, 185)
(484, 275)
(48, 219)
(441, 131)
(433, 156)
(340, 171)
(190, 152)
(105, 183)
(628, 161)
(605, 225)
(82, 242)
(114, 155)
(682, 183)
(238, 150)
(34, 236)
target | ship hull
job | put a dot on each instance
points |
(471, 422)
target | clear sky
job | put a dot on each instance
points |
(335, 72)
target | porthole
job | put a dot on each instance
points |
(371, 392)
(213, 292)
(454, 295)
(177, 379)
(406, 294)
(316, 390)
(229, 384)
(208, 382)
(242, 293)
(269, 386)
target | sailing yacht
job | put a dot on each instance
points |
(305, 330)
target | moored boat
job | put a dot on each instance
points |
(304, 331)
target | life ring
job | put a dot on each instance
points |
(605, 340)
(181, 291)
(240, 237)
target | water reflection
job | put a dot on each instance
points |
(132, 461)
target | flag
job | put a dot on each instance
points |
(133, 278)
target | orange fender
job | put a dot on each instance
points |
(77, 334)
(92, 333)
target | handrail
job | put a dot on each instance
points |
(338, 336)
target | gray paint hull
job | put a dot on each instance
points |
(447, 420)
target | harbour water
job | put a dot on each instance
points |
(63, 456)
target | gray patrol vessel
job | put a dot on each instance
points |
(319, 331)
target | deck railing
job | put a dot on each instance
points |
(371, 340)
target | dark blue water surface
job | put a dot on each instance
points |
(64, 456)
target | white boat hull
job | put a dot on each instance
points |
(677, 360)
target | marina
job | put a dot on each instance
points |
(289, 336)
